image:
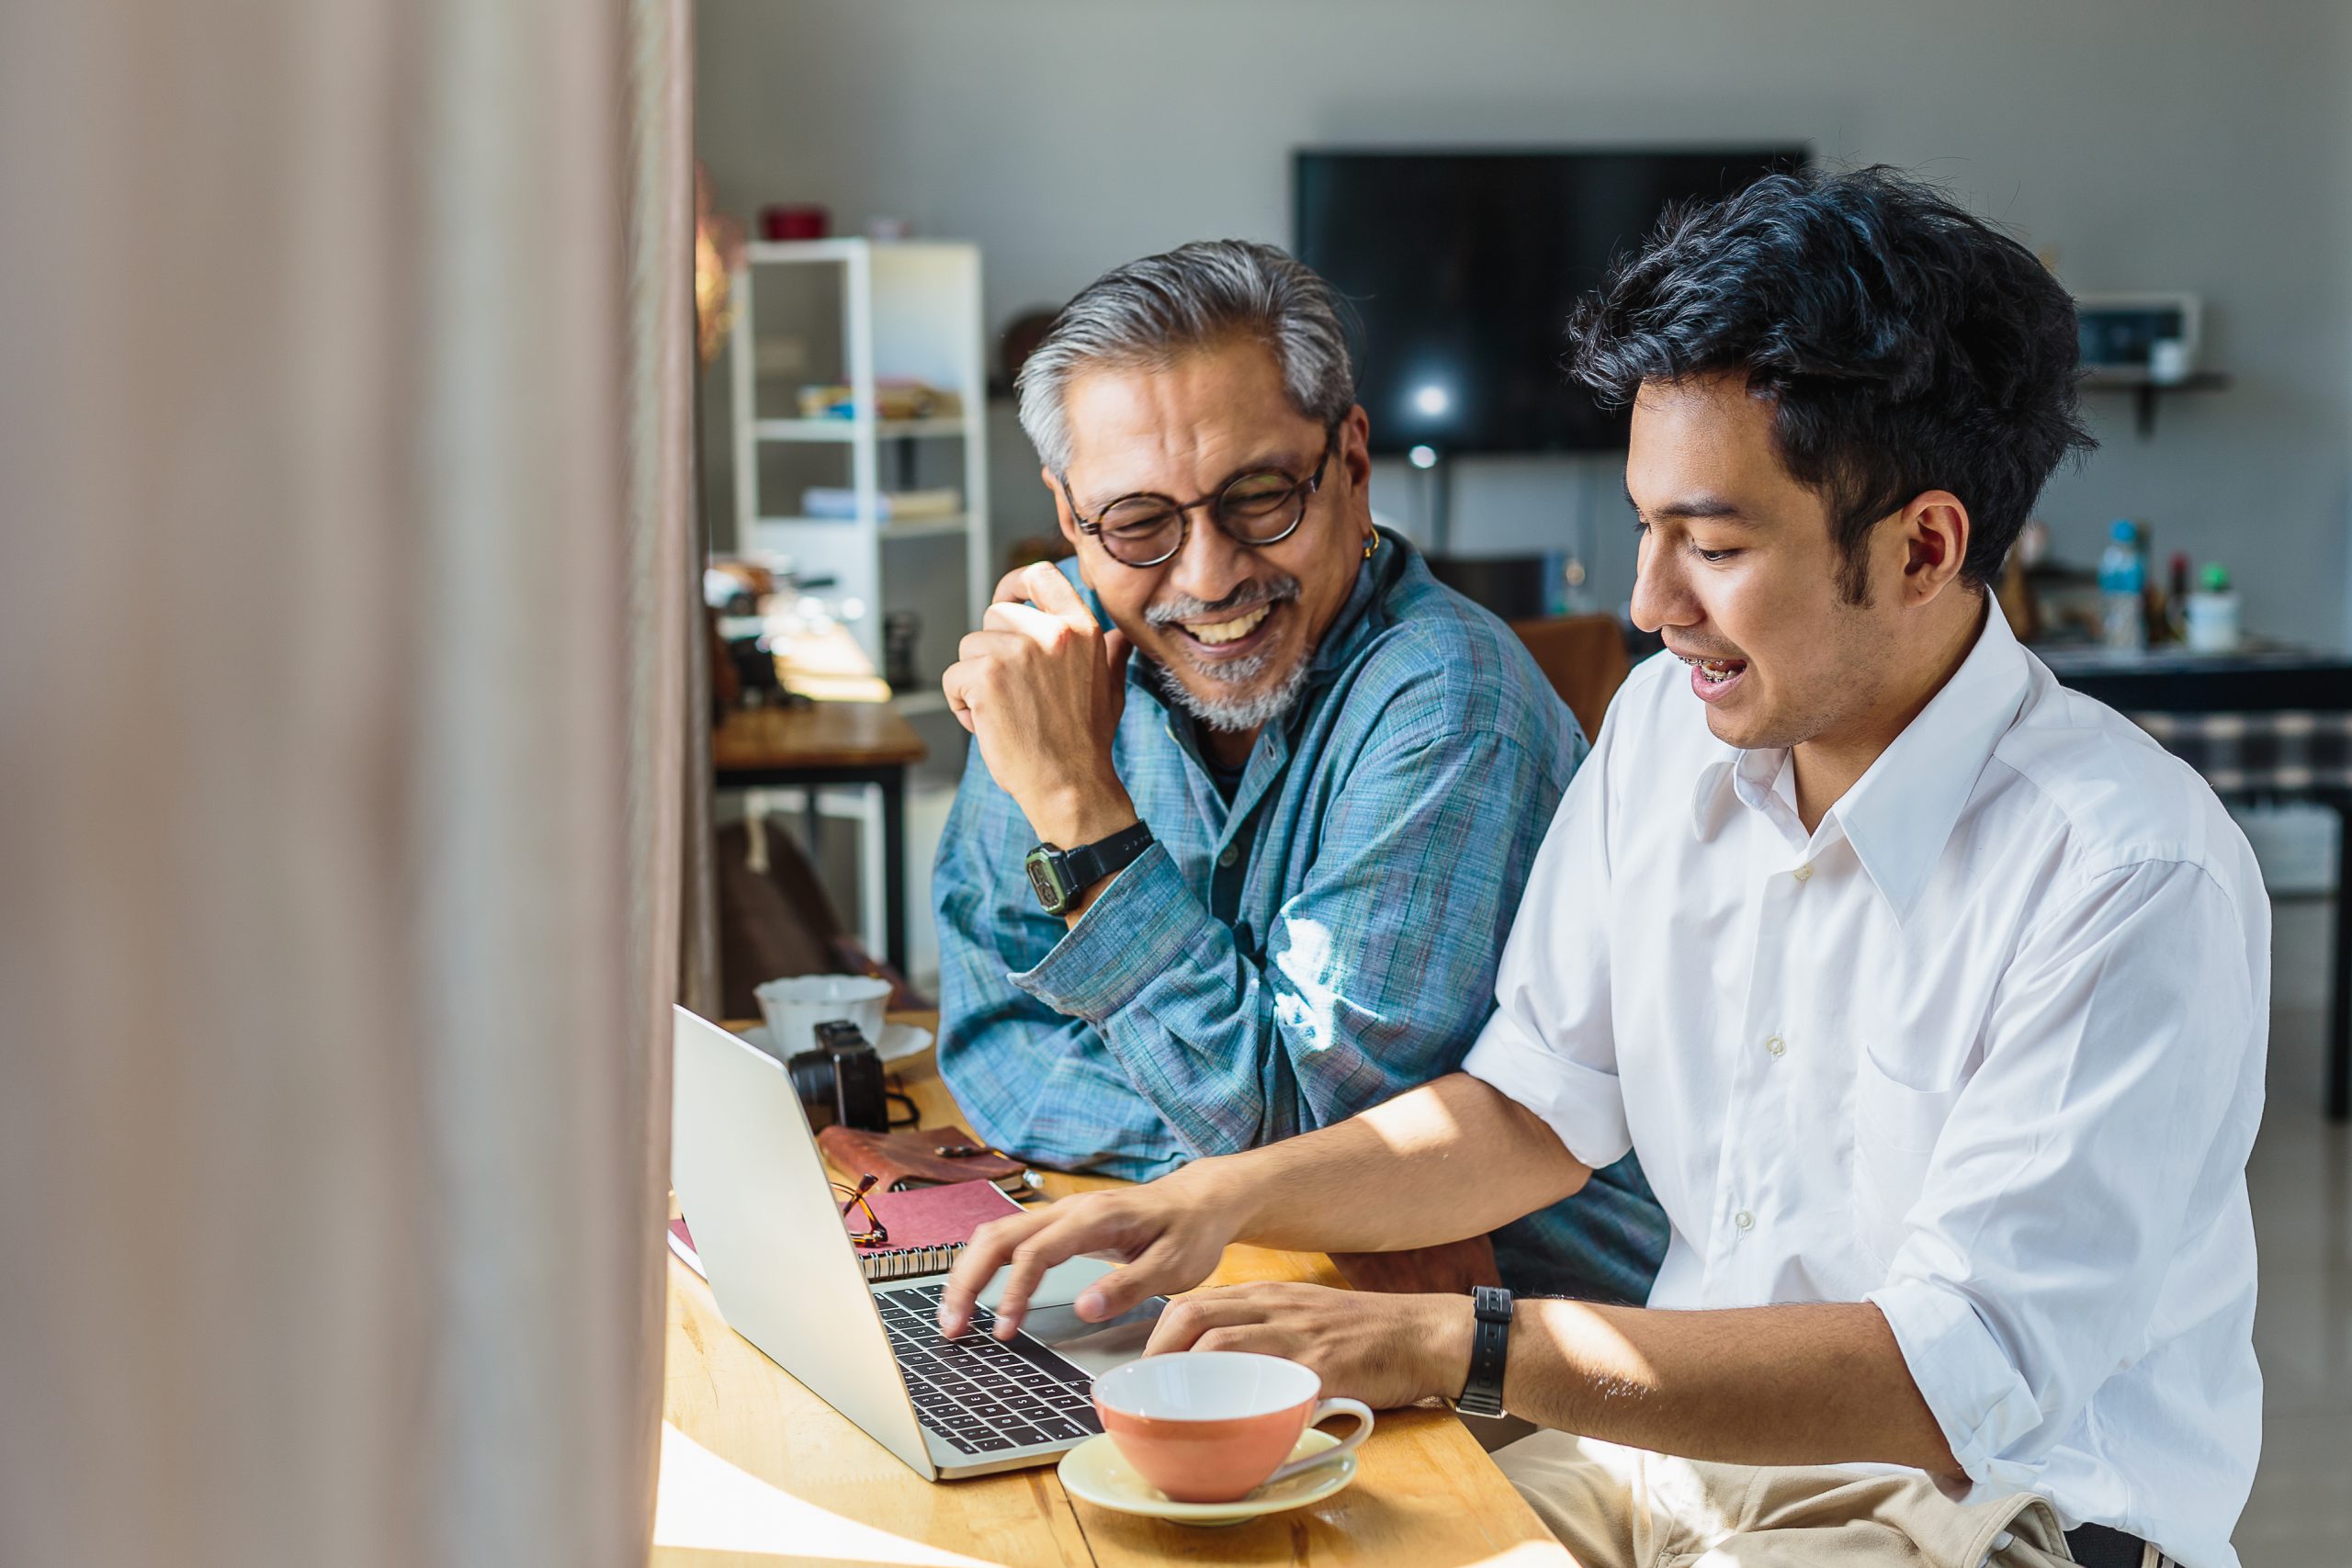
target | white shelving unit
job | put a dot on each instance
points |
(857, 311)
(907, 309)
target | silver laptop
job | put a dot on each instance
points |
(780, 1262)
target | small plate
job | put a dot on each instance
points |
(1099, 1474)
(899, 1041)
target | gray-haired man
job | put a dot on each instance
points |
(1252, 797)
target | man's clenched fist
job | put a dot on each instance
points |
(1041, 687)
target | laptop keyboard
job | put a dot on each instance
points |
(983, 1395)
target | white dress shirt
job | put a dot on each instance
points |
(1986, 1049)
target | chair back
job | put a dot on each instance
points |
(1583, 657)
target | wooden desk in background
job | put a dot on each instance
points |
(756, 1467)
(832, 743)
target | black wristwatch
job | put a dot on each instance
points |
(1483, 1395)
(1061, 875)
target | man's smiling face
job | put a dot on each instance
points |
(1231, 627)
(1739, 572)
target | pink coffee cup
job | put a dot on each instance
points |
(1213, 1425)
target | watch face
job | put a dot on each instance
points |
(1042, 877)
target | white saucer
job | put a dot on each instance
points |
(899, 1041)
(1097, 1472)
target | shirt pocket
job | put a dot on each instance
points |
(1895, 1131)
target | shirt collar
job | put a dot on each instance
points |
(1712, 795)
(1365, 613)
(1900, 814)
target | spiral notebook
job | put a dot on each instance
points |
(927, 1227)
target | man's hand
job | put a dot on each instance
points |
(1384, 1350)
(1170, 1234)
(1041, 687)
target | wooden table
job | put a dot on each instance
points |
(756, 1469)
(832, 743)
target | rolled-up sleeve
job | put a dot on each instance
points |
(2105, 1128)
(1981, 1401)
(1549, 1044)
(1135, 929)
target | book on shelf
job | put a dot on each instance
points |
(835, 503)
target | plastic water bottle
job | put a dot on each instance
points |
(2122, 574)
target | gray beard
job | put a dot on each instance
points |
(1238, 713)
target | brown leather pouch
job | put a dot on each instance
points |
(894, 1159)
(1449, 1269)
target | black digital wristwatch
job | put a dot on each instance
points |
(1489, 1344)
(1060, 876)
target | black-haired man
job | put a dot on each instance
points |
(1933, 996)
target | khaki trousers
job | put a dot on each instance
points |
(1619, 1507)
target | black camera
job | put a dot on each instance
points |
(841, 1080)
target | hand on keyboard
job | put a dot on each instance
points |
(1171, 1232)
(984, 1395)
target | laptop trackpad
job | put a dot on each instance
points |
(1094, 1348)
(1057, 1286)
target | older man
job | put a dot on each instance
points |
(1239, 863)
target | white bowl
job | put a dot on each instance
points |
(899, 1041)
(795, 1005)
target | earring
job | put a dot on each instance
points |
(1370, 543)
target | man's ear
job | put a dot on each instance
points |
(1061, 507)
(1935, 529)
(1355, 448)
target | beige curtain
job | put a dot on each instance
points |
(669, 749)
(341, 601)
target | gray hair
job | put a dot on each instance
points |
(1150, 312)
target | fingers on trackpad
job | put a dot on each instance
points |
(1059, 1287)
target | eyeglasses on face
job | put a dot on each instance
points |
(1262, 507)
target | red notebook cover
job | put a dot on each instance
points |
(927, 1226)
(930, 1216)
(682, 1242)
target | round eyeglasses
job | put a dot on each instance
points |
(1262, 507)
(876, 1233)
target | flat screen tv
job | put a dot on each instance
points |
(1462, 267)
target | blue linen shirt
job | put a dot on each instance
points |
(1324, 941)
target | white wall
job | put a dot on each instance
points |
(2141, 144)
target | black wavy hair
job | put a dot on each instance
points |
(1906, 346)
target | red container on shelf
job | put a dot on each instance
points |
(795, 220)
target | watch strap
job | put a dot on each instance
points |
(1490, 1348)
(1059, 876)
(1090, 863)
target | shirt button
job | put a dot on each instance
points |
(1774, 1045)
(1227, 855)
(1744, 1220)
(1803, 873)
